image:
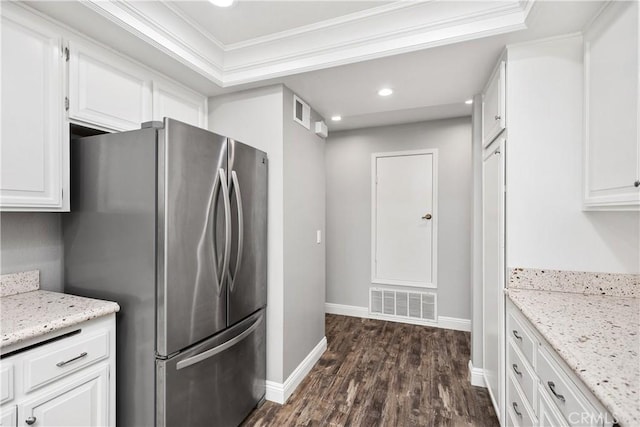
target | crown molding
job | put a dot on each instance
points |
(201, 55)
(391, 29)
(328, 23)
(311, 51)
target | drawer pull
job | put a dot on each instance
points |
(552, 387)
(515, 334)
(61, 364)
(515, 369)
(515, 409)
(30, 420)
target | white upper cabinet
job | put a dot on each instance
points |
(34, 149)
(176, 102)
(106, 90)
(612, 149)
(493, 106)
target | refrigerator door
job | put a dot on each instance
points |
(247, 276)
(218, 382)
(192, 252)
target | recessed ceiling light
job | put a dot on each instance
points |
(222, 3)
(336, 118)
(469, 101)
(385, 91)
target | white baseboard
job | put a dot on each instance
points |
(363, 312)
(346, 310)
(454, 323)
(476, 376)
(280, 392)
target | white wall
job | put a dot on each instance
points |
(304, 259)
(33, 241)
(348, 163)
(546, 227)
(255, 117)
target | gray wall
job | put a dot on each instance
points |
(304, 259)
(476, 235)
(348, 163)
(255, 118)
(33, 241)
(263, 118)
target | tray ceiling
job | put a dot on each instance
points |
(247, 20)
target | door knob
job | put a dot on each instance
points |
(30, 420)
(427, 216)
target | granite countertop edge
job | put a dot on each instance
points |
(556, 342)
(96, 308)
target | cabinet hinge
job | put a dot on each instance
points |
(66, 103)
(66, 54)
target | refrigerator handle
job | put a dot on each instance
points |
(236, 187)
(227, 228)
(219, 349)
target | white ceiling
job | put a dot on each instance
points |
(246, 20)
(428, 84)
(334, 54)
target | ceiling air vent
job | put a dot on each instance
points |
(301, 112)
(403, 306)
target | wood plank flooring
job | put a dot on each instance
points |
(377, 373)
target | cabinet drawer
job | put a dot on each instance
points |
(522, 373)
(67, 357)
(549, 416)
(522, 337)
(522, 414)
(563, 393)
(6, 383)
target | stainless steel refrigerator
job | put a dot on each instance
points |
(170, 221)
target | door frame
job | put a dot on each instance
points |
(434, 212)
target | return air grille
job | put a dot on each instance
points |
(403, 304)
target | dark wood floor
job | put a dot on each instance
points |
(377, 373)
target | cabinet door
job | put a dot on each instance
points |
(8, 416)
(35, 149)
(81, 402)
(493, 106)
(612, 148)
(107, 91)
(171, 100)
(493, 273)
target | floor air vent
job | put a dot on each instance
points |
(403, 305)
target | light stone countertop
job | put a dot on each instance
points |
(31, 314)
(598, 337)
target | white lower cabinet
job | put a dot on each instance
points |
(67, 382)
(549, 416)
(79, 402)
(541, 390)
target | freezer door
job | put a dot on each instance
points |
(192, 254)
(218, 382)
(247, 277)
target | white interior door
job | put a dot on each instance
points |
(404, 218)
